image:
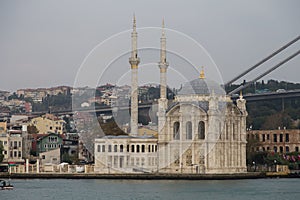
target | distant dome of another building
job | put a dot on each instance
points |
(201, 86)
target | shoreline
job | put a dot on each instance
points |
(249, 175)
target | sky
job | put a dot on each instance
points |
(50, 43)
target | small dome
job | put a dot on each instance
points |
(201, 86)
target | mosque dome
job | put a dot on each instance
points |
(201, 86)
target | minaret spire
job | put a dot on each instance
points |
(163, 66)
(134, 61)
(134, 42)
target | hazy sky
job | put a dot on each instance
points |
(43, 43)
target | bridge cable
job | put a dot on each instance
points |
(263, 61)
(265, 73)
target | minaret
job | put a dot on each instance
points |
(163, 66)
(134, 61)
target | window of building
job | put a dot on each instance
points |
(287, 137)
(115, 148)
(176, 131)
(149, 148)
(268, 148)
(121, 148)
(127, 147)
(116, 161)
(281, 149)
(287, 149)
(281, 138)
(263, 137)
(132, 161)
(275, 149)
(103, 148)
(43, 157)
(234, 132)
(20, 144)
(143, 161)
(227, 132)
(143, 148)
(109, 148)
(297, 149)
(189, 134)
(98, 148)
(155, 148)
(201, 130)
(132, 148)
(15, 153)
(268, 137)
(263, 149)
(274, 138)
(137, 161)
(138, 148)
(19, 154)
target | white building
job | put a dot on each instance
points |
(201, 131)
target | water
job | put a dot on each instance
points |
(92, 189)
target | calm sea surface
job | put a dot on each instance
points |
(36, 189)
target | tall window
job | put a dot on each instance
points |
(201, 130)
(274, 138)
(287, 137)
(176, 131)
(281, 138)
(189, 134)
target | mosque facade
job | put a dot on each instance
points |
(202, 131)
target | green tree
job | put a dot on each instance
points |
(31, 129)
(252, 143)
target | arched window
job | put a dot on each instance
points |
(189, 134)
(176, 131)
(201, 130)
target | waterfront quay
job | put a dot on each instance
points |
(150, 176)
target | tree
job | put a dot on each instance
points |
(1, 154)
(252, 143)
(31, 129)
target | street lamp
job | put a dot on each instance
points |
(254, 165)
(275, 164)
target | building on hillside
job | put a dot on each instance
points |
(70, 148)
(48, 123)
(12, 143)
(49, 142)
(52, 156)
(278, 141)
(202, 131)
(3, 126)
(37, 95)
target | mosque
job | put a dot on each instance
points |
(200, 132)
